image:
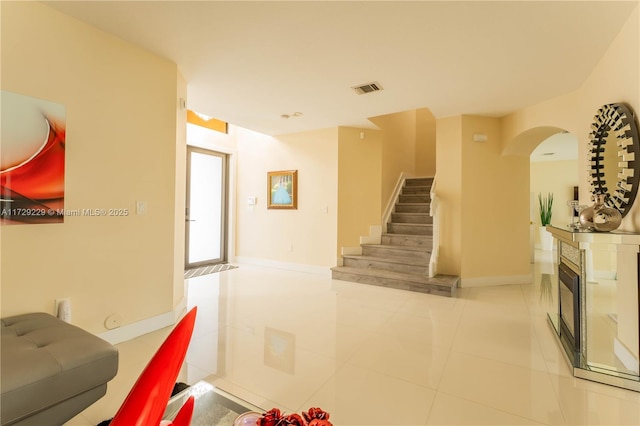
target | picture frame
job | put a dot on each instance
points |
(282, 189)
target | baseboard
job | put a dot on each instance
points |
(495, 281)
(298, 267)
(625, 356)
(137, 329)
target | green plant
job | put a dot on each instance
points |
(545, 203)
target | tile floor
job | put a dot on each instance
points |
(378, 356)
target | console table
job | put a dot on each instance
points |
(595, 314)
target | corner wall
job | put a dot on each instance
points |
(359, 191)
(121, 106)
(398, 149)
(495, 240)
(449, 190)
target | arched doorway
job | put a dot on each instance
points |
(553, 172)
(553, 168)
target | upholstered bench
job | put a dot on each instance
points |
(50, 370)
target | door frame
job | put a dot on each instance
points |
(224, 214)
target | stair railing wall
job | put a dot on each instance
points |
(434, 211)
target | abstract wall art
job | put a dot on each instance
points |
(32, 153)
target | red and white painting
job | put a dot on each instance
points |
(32, 150)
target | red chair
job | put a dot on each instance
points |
(147, 400)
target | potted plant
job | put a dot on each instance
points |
(545, 205)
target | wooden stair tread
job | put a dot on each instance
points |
(440, 280)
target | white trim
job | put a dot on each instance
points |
(494, 281)
(374, 237)
(180, 309)
(625, 356)
(434, 211)
(391, 203)
(137, 329)
(149, 325)
(298, 267)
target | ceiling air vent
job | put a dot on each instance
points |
(367, 88)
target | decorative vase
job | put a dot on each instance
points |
(600, 217)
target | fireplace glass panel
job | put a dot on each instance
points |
(611, 323)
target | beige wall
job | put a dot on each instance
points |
(425, 155)
(408, 147)
(398, 149)
(306, 236)
(121, 147)
(616, 78)
(359, 191)
(494, 233)
(449, 191)
(483, 239)
(559, 178)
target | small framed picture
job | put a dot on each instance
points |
(282, 189)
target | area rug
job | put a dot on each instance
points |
(209, 269)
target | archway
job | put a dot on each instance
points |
(553, 168)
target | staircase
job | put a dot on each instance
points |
(402, 259)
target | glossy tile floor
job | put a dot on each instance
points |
(378, 356)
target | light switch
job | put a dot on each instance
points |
(141, 207)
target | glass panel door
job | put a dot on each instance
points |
(206, 207)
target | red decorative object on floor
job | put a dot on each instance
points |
(147, 400)
(313, 417)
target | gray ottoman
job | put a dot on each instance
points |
(50, 370)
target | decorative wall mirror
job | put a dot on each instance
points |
(614, 150)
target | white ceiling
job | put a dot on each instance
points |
(559, 147)
(250, 62)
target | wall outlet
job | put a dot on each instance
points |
(62, 309)
(113, 321)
